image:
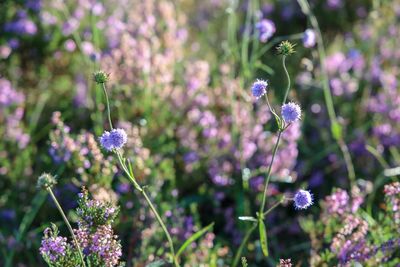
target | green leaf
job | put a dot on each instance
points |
(263, 237)
(193, 238)
(247, 218)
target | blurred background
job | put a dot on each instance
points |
(180, 78)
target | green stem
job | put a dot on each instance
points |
(264, 199)
(67, 223)
(288, 79)
(275, 205)
(108, 105)
(244, 242)
(327, 93)
(153, 209)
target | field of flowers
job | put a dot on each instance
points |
(199, 133)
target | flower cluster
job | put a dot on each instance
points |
(94, 234)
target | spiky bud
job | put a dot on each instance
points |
(100, 77)
(286, 48)
(46, 181)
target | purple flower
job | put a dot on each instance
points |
(115, 139)
(259, 88)
(303, 199)
(53, 246)
(291, 112)
(266, 28)
(309, 38)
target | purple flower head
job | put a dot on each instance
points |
(105, 141)
(309, 38)
(259, 88)
(53, 246)
(291, 112)
(303, 199)
(115, 139)
(266, 28)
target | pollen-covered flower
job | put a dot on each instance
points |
(115, 139)
(291, 112)
(259, 88)
(309, 38)
(266, 28)
(303, 199)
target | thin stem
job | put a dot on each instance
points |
(160, 221)
(288, 79)
(275, 205)
(108, 105)
(327, 93)
(264, 199)
(153, 209)
(67, 223)
(241, 247)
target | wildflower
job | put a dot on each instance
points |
(101, 77)
(53, 246)
(259, 88)
(266, 28)
(291, 112)
(285, 263)
(303, 199)
(285, 48)
(46, 181)
(309, 38)
(105, 141)
(118, 138)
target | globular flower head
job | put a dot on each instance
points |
(266, 28)
(303, 199)
(259, 88)
(100, 77)
(46, 181)
(286, 48)
(115, 139)
(118, 138)
(291, 112)
(105, 141)
(309, 38)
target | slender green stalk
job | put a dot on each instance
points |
(108, 105)
(67, 223)
(129, 173)
(335, 126)
(288, 79)
(264, 199)
(275, 205)
(244, 242)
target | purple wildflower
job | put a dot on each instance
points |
(309, 38)
(266, 28)
(291, 112)
(53, 246)
(303, 199)
(259, 88)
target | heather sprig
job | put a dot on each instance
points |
(47, 181)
